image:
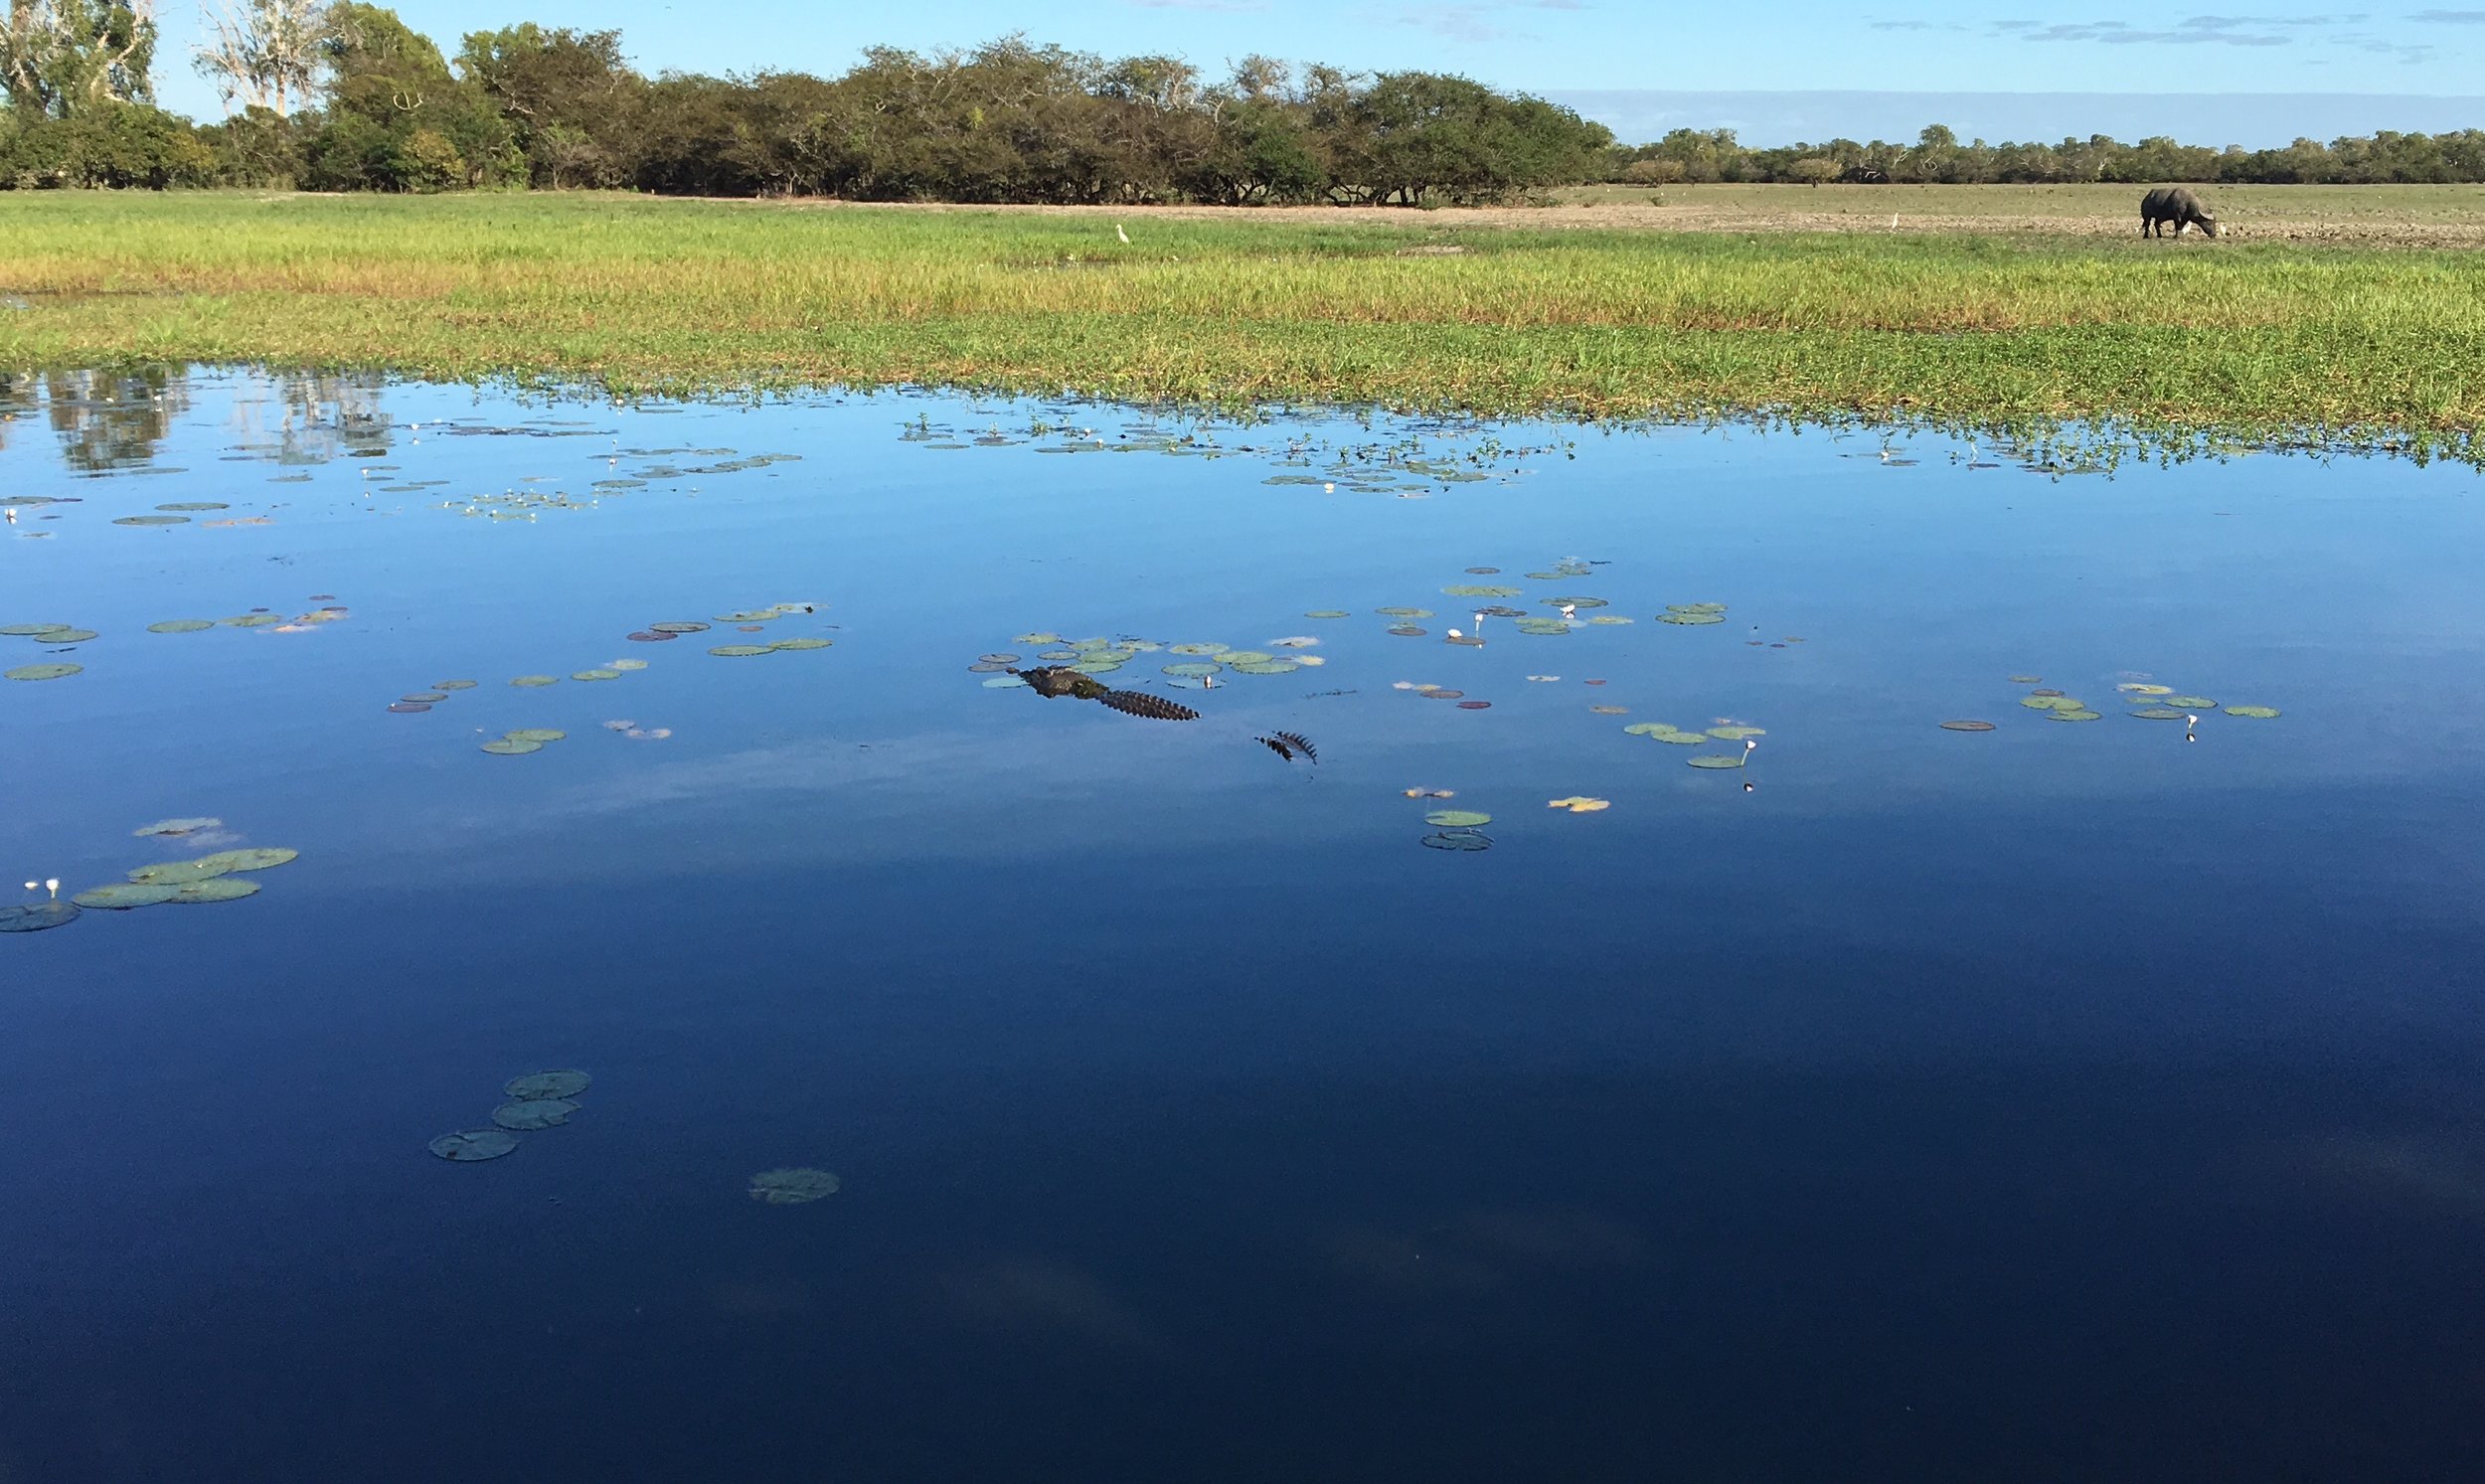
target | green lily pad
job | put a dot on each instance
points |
(1695, 608)
(41, 672)
(35, 916)
(757, 616)
(122, 895)
(536, 682)
(682, 627)
(453, 685)
(1194, 668)
(152, 520)
(1718, 759)
(174, 874)
(792, 1186)
(2190, 702)
(1109, 655)
(1736, 733)
(1003, 683)
(1646, 729)
(1198, 648)
(255, 858)
(1246, 657)
(29, 630)
(2051, 702)
(1036, 639)
(1472, 589)
(1690, 620)
(1574, 602)
(596, 675)
(1458, 819)
(511, 747)
(251, 621)
(1462, 840)
(1328, 614)
(2263, 712)
(66, 636)
(626, 666)
(2081, 714)
(471, 1145)
(218, 888)
(741, 651)
(2158, 713)
(1267, 666)
(176, 827)
(424, 698)
(1097, 667)
(563, 1081)
(529, 1114)
(1611, 620)
(2136, 688)
(997, 657)
(1404, 613)
(1967, 726)
(538, 735)
(1404, 630)
(802, 643)
(194, 505)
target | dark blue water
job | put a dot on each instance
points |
(2072, 1102)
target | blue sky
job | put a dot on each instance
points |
(1605, 49)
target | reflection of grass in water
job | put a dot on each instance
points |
(657, 294)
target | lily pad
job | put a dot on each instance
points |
(565, 1081)
(529, 1114)
(29, 630)
(596, 675)
(1472, 589)
(2190, 702)
(1695, 608)
(1458, 819)
(1574, 602)
(1328, 614)
(1647, 729)
(1036, 639)
(755, 615)
(176, 827)
(1194, 668)
(2158, 713)
(683, 627)
(424, 698)
(174, 873)
(1267, 666)
(649, 636)
(1245, 656)
(122, 895)
(1579, 805)
(1465, 840)
(251, 621)
(1406, 631)
(2051, 702)
(1404, 613)
(997, 659)
(2081, 714)
(453, 685)
(471, 1145)
(1003, 683)
(1736, 733)
(1198, 648)
(792, 1186)
(536, 682)
(218, 888)
(538, 735)
(2137, 688)
(1967, 726)
(42, 672)
(254, 858)
(1611, 620)
(1690, 620)
(1718, 759)
(195, 505)
(65, 636)
(409, 708)
(152, 520)
(1097, 667)
(626, 666)
(511, 747)
(35, 916)
(2261, 713)
(741, 651)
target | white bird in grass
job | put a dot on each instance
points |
(1125, 236)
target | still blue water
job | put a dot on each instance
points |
(2069, 1101)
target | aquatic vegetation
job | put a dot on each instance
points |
(2261, 713)
(1579, 805)
(1458, 819)
(741, 651)
(216, 888)
(178, 827)
(37, 916)
(2055, 702)
(529, 1115)
(595, 675)
(453, 685)
(565, 1081)
(126, 895)
(2159, 714)
(42, 672)
(792, 1187)
(1457, 840)
(2190, 702)
(1734, 732)
(534, 682)
(472, 1145)
(2076, 714)
(1967, 727)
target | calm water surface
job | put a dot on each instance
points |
(2069, 1101)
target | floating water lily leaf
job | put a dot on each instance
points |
(1475, 706)
(1457, 840)
(177, 827)
(453, 685)
(536, 682)
(1695, 608)
(741, 651)
(2082, 714)
(538, 735)
(596, 675)
(1716, 759)
(1097, 667)
(1404, 613)
(1406, 631)
(471, 1145)
(218, 888)
(1645, 729)
(1574, 602)
(251, 621)
(2190, 702)
(424, 698)
(2051, 702)
(649, 636)
(2158, 713)
(1198, 648)
(511, 747)
(1438, 693)
(65, 635)
(1736, 733)
(627, 665)
(1472, 589)
(1328, 614)
(996, 659)
(1194, 668)
(682, 627)
(35, 916)
(1036, 639)
(2263, 712)
(152, 520)
(254, 858)
(1003, 683)
(122, 895)
(757, 616)
(529, 1114)
(1611, 620)
(196, 505)
(1267, 666)
(29, 630)
(2136, 688)
(1967, 726)
(1458, 819)
(1579, 805)
(1688, 620)
(564, 1081)
(174, 873)
(42, 672)
(1682, 738)
(792, 1186)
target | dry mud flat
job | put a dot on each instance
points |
(2428, 216)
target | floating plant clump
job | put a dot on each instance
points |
(126, 895)
(42, 672)
(2261, 713)
(565, 1081)
(793, 1186)
(529, 1114)
(472, 1145)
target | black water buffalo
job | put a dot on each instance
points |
(2177, 204)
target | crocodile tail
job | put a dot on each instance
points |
(1141, 704)
(1287, 744)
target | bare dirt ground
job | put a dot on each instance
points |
(2337, 216)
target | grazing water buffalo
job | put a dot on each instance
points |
(2177, 204)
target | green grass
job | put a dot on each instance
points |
(2239, 339)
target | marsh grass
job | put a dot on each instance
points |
(2244, 339)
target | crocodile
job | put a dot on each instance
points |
(1065, 680)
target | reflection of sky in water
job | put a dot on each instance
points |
(1159, 1070)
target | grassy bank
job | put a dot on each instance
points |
(2238, 337)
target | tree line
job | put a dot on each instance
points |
(345, 97)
